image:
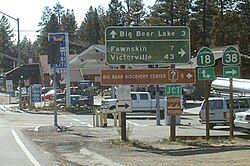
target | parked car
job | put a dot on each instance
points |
(141, 102)
(242, 119)
(219, 110)
(50, 94)
(76, 101)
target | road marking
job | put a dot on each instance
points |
(2, 108)
(26, 151)
(77, 120)
(136, 124)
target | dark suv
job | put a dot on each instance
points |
(76, 101)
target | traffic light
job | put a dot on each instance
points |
(54, 53)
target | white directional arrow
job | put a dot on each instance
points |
(181, 52)
(189, 75)
(113, 34)
(205, 75)
(233, 72)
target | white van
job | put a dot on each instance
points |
(219, 109)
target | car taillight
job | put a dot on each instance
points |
(248, 117)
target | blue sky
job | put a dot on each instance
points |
(29, 12)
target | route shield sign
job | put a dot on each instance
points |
(147, 45)
(205, 57)
(231, 71)
(231, 56)
(206, 73)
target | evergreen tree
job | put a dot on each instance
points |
(6, 45)
(115, 13)
(69, 25)
(27, 50)
(58, 11)
(161, 13)
(135, 13)
(232, 26)
(203, 12)
(90, 27)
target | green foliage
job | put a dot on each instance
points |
(211, 23)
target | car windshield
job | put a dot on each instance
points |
(214, 105)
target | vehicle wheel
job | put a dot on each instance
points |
(211, 126)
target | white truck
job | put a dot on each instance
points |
(141, 102)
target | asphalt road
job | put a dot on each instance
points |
(17, 150)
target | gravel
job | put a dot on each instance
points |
(81, 145)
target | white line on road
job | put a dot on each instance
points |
(26, 151)
(77, 120)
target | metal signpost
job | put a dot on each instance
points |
(141, 45)
(173, 93)
(59, 63)
(231, 58)
(205, 59)
(123, 105)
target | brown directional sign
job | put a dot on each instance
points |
(174, 105)
(148, 76)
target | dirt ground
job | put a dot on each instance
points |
(102, 146)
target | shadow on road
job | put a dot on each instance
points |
(195, 150)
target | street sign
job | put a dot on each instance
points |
(205, 57)
(36, 92)
(152, 76)
(9, 86)
(123, 106)
(173, 105)
(62, 38)
(85, 84)
(147, 45)
(231, 56)
(206, 73)
(231, 71)
(173, 90)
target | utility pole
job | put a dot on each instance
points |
(19, 60)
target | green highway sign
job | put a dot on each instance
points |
(147, 45)
(205, 57)
(231, 56)
(206, 73)
(173, 90)
(231, 71)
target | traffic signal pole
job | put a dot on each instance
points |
(55, 103)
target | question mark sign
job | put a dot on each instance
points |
(173, 75)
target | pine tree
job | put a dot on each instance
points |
(6, 45)
(69, 25)
(135, 13)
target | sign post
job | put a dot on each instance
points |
(205, 59)
(231, 58)
(62, 43)
(123, 105)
